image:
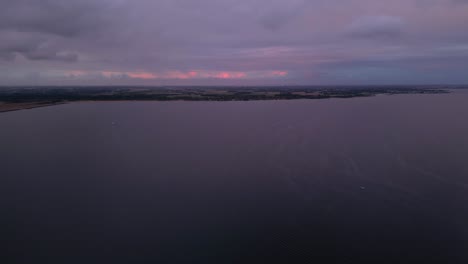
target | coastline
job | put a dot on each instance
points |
(16, 99)
(10, 107)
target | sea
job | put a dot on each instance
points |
(380, 179)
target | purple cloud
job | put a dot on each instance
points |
(198, 42)
(377, 26)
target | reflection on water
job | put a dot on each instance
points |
(363, 180)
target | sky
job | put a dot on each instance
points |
(233, 42)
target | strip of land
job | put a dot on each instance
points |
(12, 106)
(17, 98)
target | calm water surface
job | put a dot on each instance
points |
(362, 180)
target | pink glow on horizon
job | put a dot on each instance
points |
(200, 74)
(75, 73)
(279, 73)
(230, 75)
(142, 75)
(133, 75)
(111, 74)
(179, 75)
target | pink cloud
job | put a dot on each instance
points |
(201, 74)
(279, 73)
(110, 74)
(230, 75)
(179, 75)
(75, 73)
(133, 75)
(141, 75)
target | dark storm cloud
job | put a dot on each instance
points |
(51, 55)
(229, 41)
(276, 15)
(377, 26)
(63, 18)
(32, 47)
(35, 29)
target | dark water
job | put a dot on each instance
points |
(363, 180)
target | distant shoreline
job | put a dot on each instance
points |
(10, 107)
(14, 99)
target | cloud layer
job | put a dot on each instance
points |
(240, 42)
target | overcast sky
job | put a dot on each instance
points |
(233, 42)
